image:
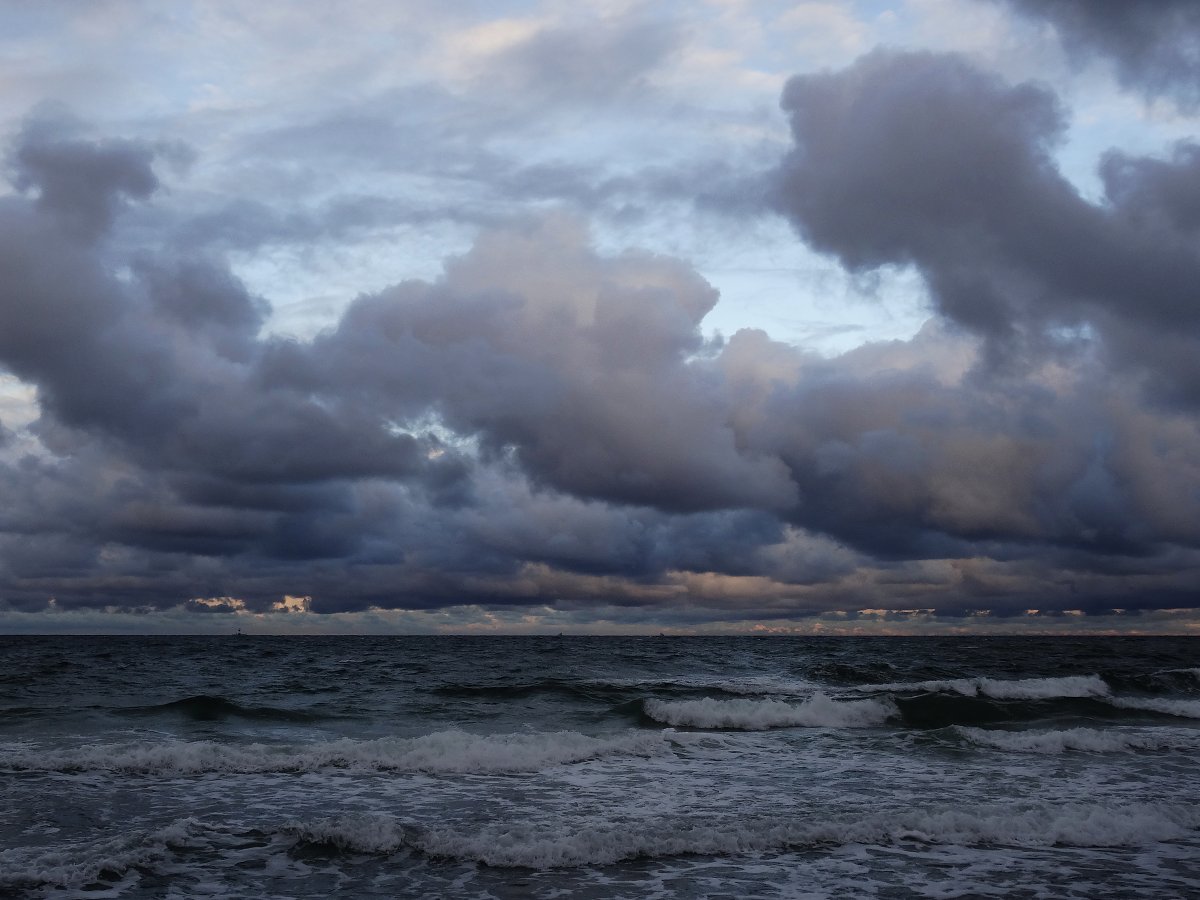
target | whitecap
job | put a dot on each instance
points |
(1091, 740)
(451, 752)
(542, 846)
(1063, 687)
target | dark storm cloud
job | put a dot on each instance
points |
(164, 362)
(534, 343)
(191, 454)
(85, 182)
(925, 160)
(1156, 192)
(545, 424)
(159, 371)
(891, 457)
(1152, 43)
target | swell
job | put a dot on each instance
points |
(1063, 687)
(817, 711)
(931, 711)
(921, 705)
(538, 846)
(1186, 709)
(521, 690)
(443, 752)
(1163, 681)
(545, 845)
(942, 703)
(209, 708)
(198, 708)
(622, 690)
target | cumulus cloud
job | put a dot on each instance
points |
(924, 160)
(546, 425)
(579, 364)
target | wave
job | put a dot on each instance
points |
(207, 708)
(522, 690)
(1187, 709)
(850, 674)
(737, 686)
(1091, 740)
(757, 715)
(527, 845)
(1163, 681)
(533, 845)
(988, 701)
(1064, 687)
(82, 864)
(928, 711)
(616, 690)
(443, 752)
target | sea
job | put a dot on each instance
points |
(599, 767)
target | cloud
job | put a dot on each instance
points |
(924, 160)
(545, 425)
(84, 182)
(1151, 43)
(186, 453)
(578, 364)
(599, 61)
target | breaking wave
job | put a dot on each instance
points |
(1187, 709)
(534, 845)
(757, 715)
(1066, 687)
(538, 846)
(450, 752)
(1090, 740)
(81, 864)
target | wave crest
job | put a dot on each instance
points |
(1090, 740)
(1064, 687)
(547, 845)
(449, 752)
(536, 846)
(757, 715)
(1185, 709)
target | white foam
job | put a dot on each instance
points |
(1070, 686)
(1092, 740)
(542, 846)
(756, 715)
(83, 863)
(456, 752)
(1066, 687)
(1187, 709)
(555, 843)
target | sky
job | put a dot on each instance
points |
(718, 316)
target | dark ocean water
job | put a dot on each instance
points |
(599, 767)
